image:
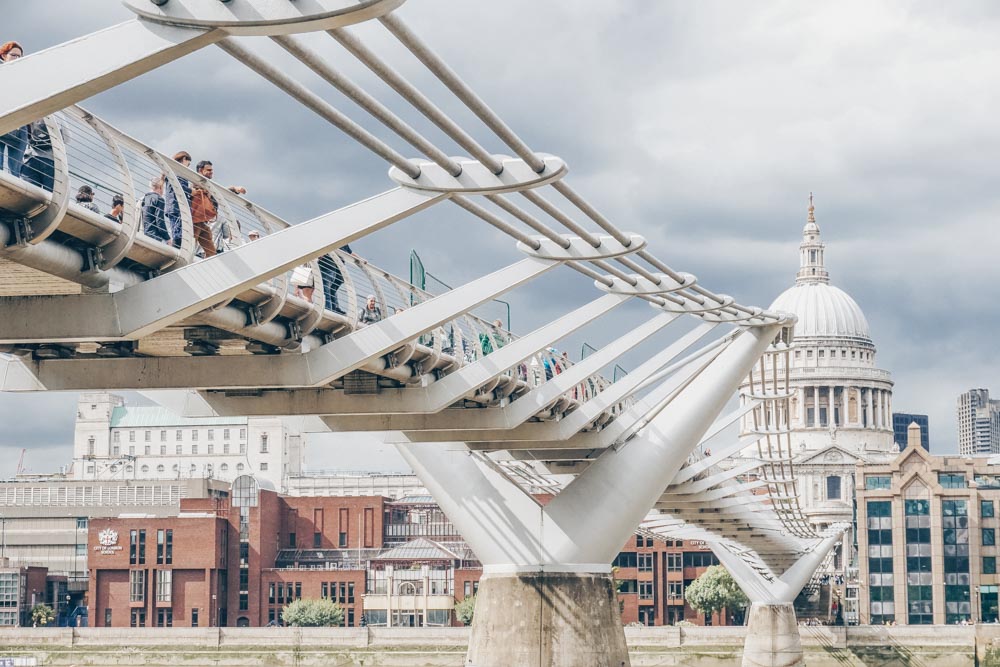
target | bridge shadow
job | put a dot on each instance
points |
(880, 648)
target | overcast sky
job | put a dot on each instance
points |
(703, 126)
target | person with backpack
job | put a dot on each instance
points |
(151, 208)
(172, 201)
(204, 211)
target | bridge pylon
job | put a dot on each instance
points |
(547, 597)
(772, 629)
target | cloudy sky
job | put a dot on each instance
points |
(703, 126)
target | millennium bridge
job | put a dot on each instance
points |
(479, 412)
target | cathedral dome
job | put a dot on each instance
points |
(824, 311)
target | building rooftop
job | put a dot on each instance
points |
(140, 417)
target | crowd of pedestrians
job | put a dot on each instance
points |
(27, 153)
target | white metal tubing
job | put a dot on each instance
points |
(563, 219)
(450, 79)
(577, 200)
(45, 82)
(411, 94)
(379, 111)
(506, 228)
(600, 495)
(499, 521)
(47, 220)
(320, 106)
(530, 220)
(719, 454)
(115, 252)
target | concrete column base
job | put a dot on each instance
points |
(547, 620)
(772, 637)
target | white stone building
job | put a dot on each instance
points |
(113, 441)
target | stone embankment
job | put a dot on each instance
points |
(869, 646)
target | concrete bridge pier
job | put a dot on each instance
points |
(547, 597)
(542, 619)
(773, 638)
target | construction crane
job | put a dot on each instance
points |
(20, 461)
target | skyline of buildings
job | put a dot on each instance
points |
(900, 428)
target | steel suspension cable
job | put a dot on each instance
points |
(419, 101)
(313, 101)
(449, 78)
(379, 111)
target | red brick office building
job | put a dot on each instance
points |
(239, 560)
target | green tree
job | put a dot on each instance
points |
(42, 614)
(309, 613)
(465, 609)
(714, 591)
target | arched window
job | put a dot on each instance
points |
(160, 468)
(224, 467)
(240, 467)
(144, 469)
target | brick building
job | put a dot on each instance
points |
(239, 560)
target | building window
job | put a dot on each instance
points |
(164, 618)
(240, 467)
(107, 618)
(179, 435)
(163, 436)
(164, 585)
(244, 601)
(833, 487)
(263, 466)
(225, 434)
(645, 590)
(342, 542)
(137, 585)
(675, 589)
(225, 448)
(986, 509)
(243, 434)
(878, 482)
(147, 436)
(131, 450)
(116, 436)
(317, 540)
(131, 436)
(163, 450)
(989, 537)
(133, 547)
(81, 523)
(116, 451)
(90, 446)
(81, 549)
(161, 468)
(263, 443)
(291, 540)
(194, 435)
(179, 450)
(674, 563)
(194, 449)
(951, 480)
(138, 618)
(144, 469)
(211, 434)
(919, 578)
(211, 448)
(880, 574)
(645, 562)
(147, 450)
(955, 530)
(194, 617)
(989, 564)
(224, 467)
(243, 448)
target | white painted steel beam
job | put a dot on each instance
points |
(313, 368)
